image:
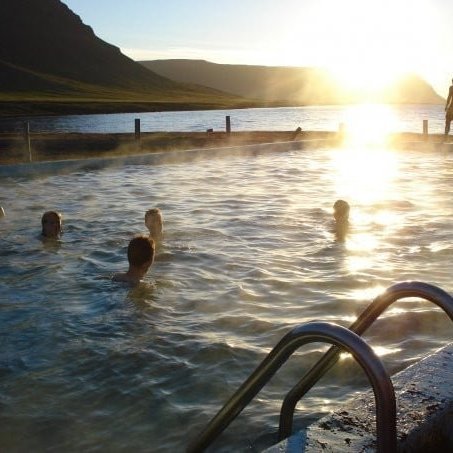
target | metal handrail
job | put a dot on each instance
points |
(300, 335)
(360, 325)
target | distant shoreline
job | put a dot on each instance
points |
(17, 109)
(61, 146)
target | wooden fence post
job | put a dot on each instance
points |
(137, 128)
(27, 140)
(228, 124)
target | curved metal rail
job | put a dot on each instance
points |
(395, 292)
(300, 335)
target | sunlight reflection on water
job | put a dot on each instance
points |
(369, 124)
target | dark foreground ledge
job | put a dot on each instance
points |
(42, 168)
(157, 158)
(424, 396)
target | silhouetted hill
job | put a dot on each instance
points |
(300, 86)
(412, 89)
(46, 37)
(48, 53)
(271, 83)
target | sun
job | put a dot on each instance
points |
(370, 53)
(368, 81)
(367, 45)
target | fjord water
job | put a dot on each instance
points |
(399, 118)
(249, 253)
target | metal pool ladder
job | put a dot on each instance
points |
(395, 292)
(341, 339)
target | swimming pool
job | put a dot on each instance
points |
(249, 252)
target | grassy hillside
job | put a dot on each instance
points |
(45, 36)
(51, 62)
(300, 86)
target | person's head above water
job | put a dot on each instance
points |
(140, 251)
(154, 222)
(51, 224)
(140, 254)
(341, 211)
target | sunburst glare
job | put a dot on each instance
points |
(368, 124)
(365, 175)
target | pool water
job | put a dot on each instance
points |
(249, 252)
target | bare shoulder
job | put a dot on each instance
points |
(126, 278)
(120, 277)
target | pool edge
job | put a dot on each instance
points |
(424, 396)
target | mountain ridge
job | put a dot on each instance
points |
(53, 63)
(48, 55)
(300, 85)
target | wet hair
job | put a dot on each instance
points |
(155, 212)
(48, 214)
(140, 250)
(341, 208)
(341, 205)
(155, 215)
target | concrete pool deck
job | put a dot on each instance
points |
(183, 156)
(424, 397)
(156, 158)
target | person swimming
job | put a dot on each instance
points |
(2, 212)
(341, 210)
(51, 222)
(140, 254)
(154, 222)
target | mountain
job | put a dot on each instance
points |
(412, 89)
(46, 37)
(300, 86)
(271, 83)
(48, 54)
(51, 62)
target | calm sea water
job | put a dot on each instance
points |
(399, 118)
(249, 252)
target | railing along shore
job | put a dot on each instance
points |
(24, 141)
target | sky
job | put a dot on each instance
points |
(363, 42)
